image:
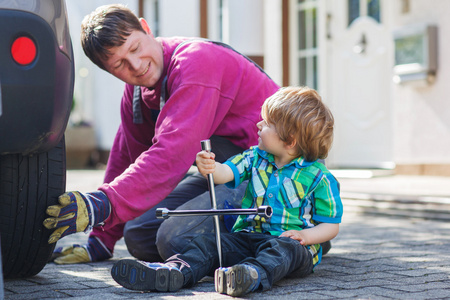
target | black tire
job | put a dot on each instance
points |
(28, 185)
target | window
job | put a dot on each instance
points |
(373, 9)
(151, 14)
(306, 49)
(357, 8)
(353, 10)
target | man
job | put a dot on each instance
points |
(178, 92)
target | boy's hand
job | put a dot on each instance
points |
(205, 162)
(316, 235)
(295, 235)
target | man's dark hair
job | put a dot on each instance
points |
(106, 27)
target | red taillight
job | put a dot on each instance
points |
(23, 50)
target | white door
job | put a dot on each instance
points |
(359, 62)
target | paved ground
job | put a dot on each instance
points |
(378, 254)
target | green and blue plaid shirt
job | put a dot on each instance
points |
(302, 194)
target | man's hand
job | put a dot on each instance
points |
(94, 250)
(76, 212)
(74, 254)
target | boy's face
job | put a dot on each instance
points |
(138, 61)
(269, 140)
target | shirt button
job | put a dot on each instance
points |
(276, 174)
(270, 195)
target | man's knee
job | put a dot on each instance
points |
(175, 233)
(168, 242)
(141, 243)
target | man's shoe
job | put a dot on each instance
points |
(142, 276)
(237, 280)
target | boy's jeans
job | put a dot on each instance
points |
(274, 257)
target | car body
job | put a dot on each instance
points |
(34, 102)
(36, 94)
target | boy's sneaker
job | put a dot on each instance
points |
(237, 280)
(143, 276)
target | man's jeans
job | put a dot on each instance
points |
(146, 234)
(274, 257)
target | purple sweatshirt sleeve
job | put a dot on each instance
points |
(157, 171)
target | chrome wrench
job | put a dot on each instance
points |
(206, 145)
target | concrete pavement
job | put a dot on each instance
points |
(379, 253)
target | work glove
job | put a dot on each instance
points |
(94, 250)
(77, 212)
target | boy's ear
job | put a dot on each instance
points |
(145, 26)
(291, 144)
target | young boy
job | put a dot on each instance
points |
(283, 172)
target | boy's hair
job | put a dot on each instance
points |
(299, 115)
(106, 27)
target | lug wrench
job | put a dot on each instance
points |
(206, 145)
(262, 211)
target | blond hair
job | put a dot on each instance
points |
(300, 116)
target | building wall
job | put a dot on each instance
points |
(422, 112)
(421, 128)
(273, 40)
(97, 94)
(179, 18)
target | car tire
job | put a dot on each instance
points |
(28, 185)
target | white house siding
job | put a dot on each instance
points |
(422, 113)
(421, 128)
(97, 94)
(179, 18)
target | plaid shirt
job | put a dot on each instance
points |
(302, 194)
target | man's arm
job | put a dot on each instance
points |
(78, 211)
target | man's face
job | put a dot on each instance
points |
(138, 61)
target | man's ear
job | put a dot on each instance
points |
(145, 26)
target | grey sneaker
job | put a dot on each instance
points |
(237, 280)
(143, 276)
